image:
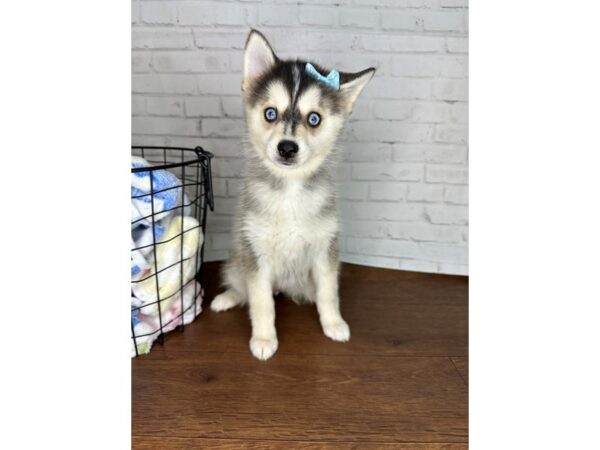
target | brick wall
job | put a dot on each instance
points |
(404, 170)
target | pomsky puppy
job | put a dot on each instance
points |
(285, 231)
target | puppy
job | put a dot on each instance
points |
(285, 231)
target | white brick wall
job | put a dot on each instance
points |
(404, 170)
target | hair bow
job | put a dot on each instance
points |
(332, 80)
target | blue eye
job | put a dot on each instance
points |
(314, 119)
(270, 114)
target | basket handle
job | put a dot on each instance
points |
(205, 157)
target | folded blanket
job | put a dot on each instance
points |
(147, 327)
(165, 190)
(176, 261)
(141, 245)
(158, 189)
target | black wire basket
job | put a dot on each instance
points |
(171, 190)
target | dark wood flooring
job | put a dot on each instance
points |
(401, 381)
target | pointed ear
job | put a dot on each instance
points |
(352, 84)
(258, 58)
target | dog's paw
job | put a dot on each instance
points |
(263, 348)
(223, 302)
(338, 330)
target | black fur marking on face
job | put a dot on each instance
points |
(294, 77)
(291, 117)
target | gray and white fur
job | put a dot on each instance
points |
(285, 231)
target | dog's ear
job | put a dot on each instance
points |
(258, 58)
(352, 84)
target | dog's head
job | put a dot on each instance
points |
(294, 111)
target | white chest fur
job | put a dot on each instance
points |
(288, 230)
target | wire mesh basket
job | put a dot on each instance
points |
(171, 190)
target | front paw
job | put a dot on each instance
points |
(223, 302)
(263, 348)
(338, 330)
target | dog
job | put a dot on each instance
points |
(286, 225)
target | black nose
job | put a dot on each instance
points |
(287, 149)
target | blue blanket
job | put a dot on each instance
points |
(158, 189)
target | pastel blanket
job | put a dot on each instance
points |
(165, 257)
(146, 327)
(176, 263)
(166, 292)
(156, 196)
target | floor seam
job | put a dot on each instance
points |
(456, 368)
(299, 440)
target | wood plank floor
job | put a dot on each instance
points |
(401, 381)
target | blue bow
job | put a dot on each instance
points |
(332, 80)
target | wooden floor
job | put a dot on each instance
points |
(401, 381)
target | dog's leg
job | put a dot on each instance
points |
(227, 300)
(236, 293)
(328, 302)
(263, 343)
